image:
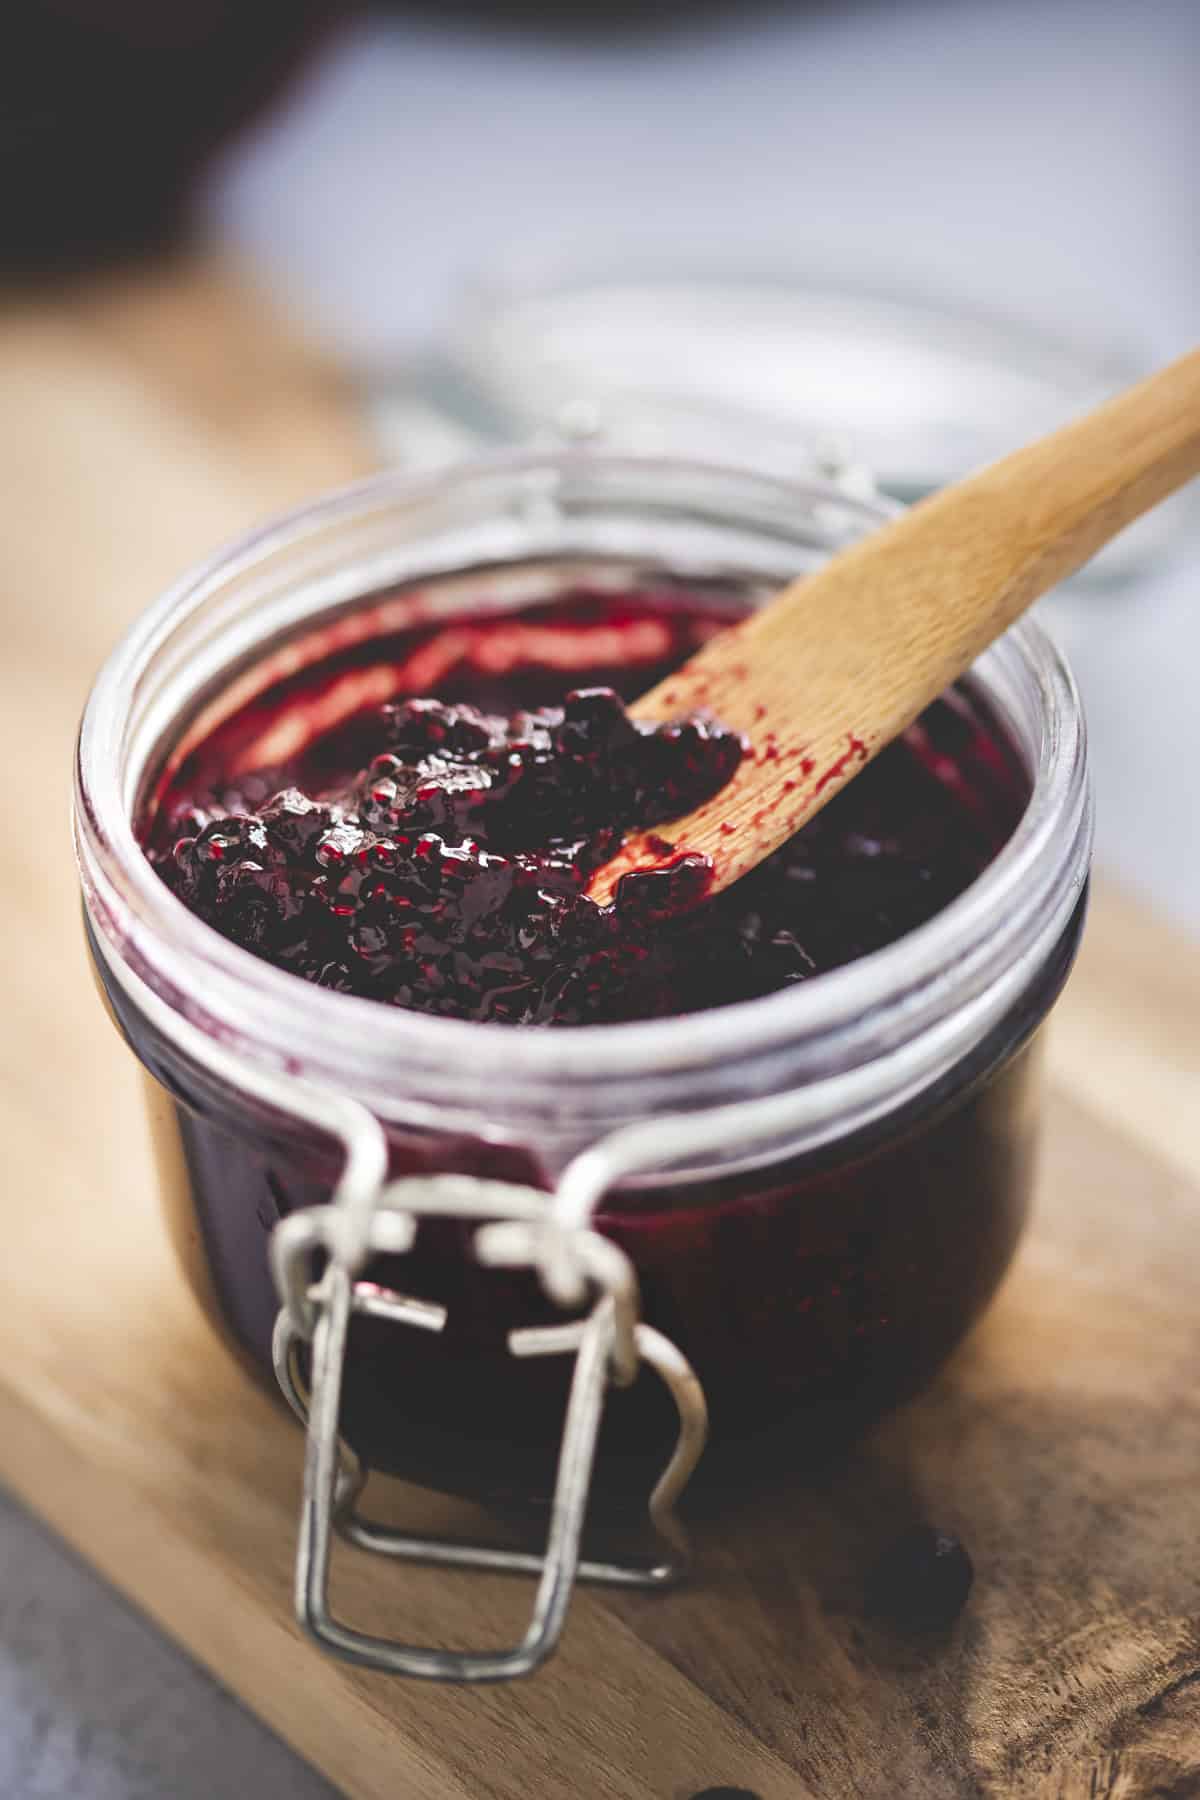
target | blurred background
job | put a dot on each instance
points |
(884, 239)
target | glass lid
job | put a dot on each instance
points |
(790, 375)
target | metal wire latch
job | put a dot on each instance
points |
(519, 1227)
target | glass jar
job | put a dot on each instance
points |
(811, 1196)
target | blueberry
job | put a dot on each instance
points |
(921, 1581)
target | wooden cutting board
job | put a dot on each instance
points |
(145, 421)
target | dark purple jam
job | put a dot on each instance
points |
(810, 1292)
(447, 872)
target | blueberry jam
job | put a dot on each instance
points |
(410, 812)
(448, 874)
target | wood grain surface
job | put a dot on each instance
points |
(143, 423)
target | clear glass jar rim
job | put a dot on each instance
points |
(863, 1013)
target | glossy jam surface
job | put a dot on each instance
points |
(433, 855)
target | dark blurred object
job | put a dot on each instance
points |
(581, 18)
(109, 107)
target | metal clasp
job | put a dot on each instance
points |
(520, 1227)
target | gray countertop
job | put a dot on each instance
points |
(1038, 156)
(95, 1704)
